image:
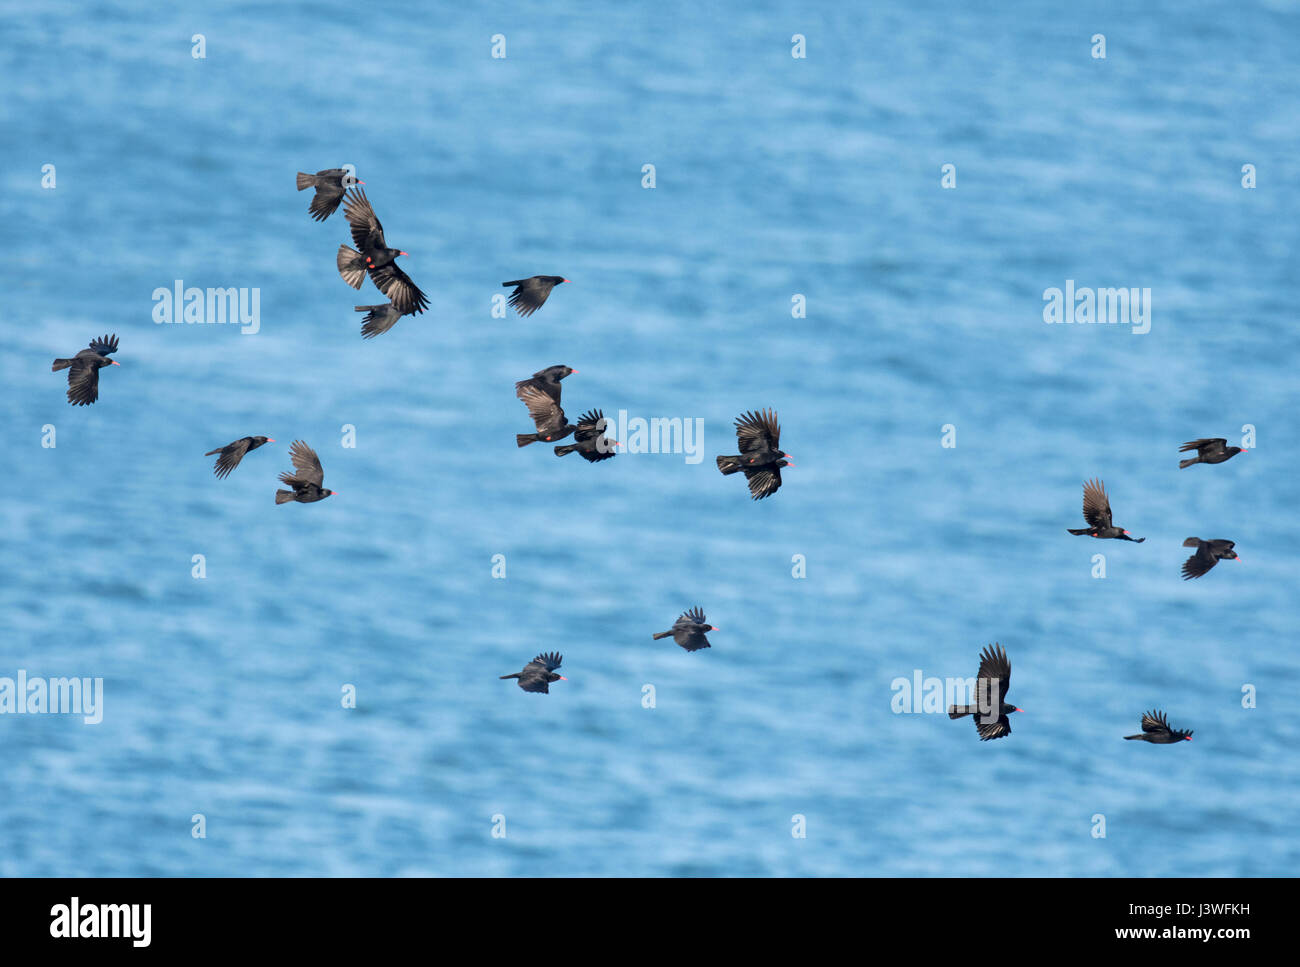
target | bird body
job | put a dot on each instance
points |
(1096, 511)
(994, 678)
(1208, 450)
(589, 438)
(547, 416)
(232, 453)
(688, 630)
(375, 257)
(83, 369)
(330, 185)
(306, 482)
(1156, 729)
(530, 293)
(1208, 554)
(760, 459)
(539, 673)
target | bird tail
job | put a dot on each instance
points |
(960, 711)
(1081, 530)
(351, 266)
(729, 465)
(515, 675)
(60, 364)
(561, 451)
(523, 439)
(1182, 465)
(283, 496)
(505, 285)
(305, 181)
(662, 634)
(1139, 735)
(1192, 542)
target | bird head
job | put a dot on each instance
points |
(329, 493)
(259, 440)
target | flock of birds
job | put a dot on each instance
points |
(994, 675)
(758, 435)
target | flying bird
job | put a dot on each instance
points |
(83, 369)
(375, 257)
(547, 415)
(306, 483)
(1208, 450)
(759, 436)
(994, 676)
(589, 439)
(232, 453)
(1208, 554)
(330, 185)
(539, 673)
(547, 380)
(529, 294)
(379, 319)
(688, 630)
(1096, 511)
(1155, 728)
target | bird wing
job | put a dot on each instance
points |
(104, 345)
(83, 382)
(993, 730)
(529, 295)
(378, 320)
(548, 660)
(1096, 505)
(1199, 563)
(1154, 721)
(763, 481)
(231, 454)
(546, 413)
(328, 195)
(758, 431)
(1204, 444)
(306, 463)
(397, 285)
(995, 665)
(532, 681)
(367, 233)
(695, 614)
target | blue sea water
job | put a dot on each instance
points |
(775, 176)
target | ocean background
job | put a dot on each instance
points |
(775, 176)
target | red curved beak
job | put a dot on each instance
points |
(568, 280)
(269, 440)
(1019, 710)
(403, 253)
(114, 362)
(563, 679)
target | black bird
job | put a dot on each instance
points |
(307, 483)
(529, 294)
(994, 676)
(1096, 511)
(688, 630)
(1155, 728)
(547, 415)
(539, 673)
(83, 369)
(1208, 554)
(330, 185)
(232, 453)
(1209, 450)
(379, 319)
(375, 257)
(589, 439)
(759, 436)
(547, 380)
